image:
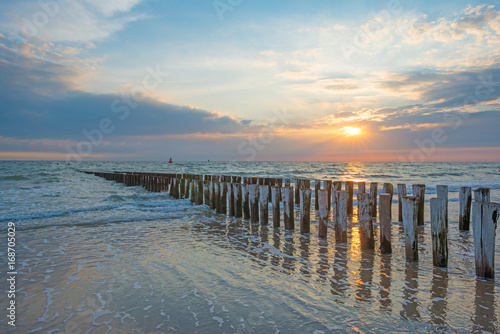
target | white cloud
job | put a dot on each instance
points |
(68, 21)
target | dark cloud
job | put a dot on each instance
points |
(39, 100)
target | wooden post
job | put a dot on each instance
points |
(439, 231)
(275, 200)
(298, 186)
(465, 207)
(223, 197)
(327, 184)
(385, 201)
(484, 224)
(206, 192)
(199, 192)
(264, 204)
(388, 188)
(171, 188)
(217, 196)
(245, 201)
(323, 201)
(401, 195)
(287, 182)
(361, 190)
(419, 192)
(365, 221)
(230, 200)
(482, 195)
(337, 185)
(341, 215)
(192, 194)
(253, 196)
(373, 198)
(349, 187)
(442, 192)
(305, 210)
(288, 211)
(410, 221)
(212, 195)
(182, 188)
(237, 200)
(186, 188)
(317, 186)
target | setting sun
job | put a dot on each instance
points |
(350, 131)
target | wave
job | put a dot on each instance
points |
(14, 177)
(40, 215)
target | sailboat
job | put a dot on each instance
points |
(170, 160)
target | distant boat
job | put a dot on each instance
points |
(170, 161)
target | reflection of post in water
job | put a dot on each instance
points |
(264, 238)
(339, 282)
(439, 290)
(275, 258)
(304, 254)
(485, 319)
(385, 283)
(289, 261)
(364, 279)
(410, 304)
(323, 258)
(253, 244)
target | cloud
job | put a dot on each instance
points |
(69, 21)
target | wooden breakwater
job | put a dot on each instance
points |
(249, 198)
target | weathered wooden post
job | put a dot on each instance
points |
(385, 201)
(186, 187)
(327, 184)
(223, 197)
(484, 223)
(365, 221)
(237, 200)
(275, 200)
(465, 197)
(373, 198)
(349, 187)
(419, 193)
(264, 204)
(192, 194)
(388, 188)
(182, 188)
(323, 201)
(337, 185)
(401, 195)
(171, 188)
(361, 190)
(230, 200)
(442, 192)
(298, 186)
(253, 193)
(217, 196)
(288, 211)
(439, 231)
(341, 198)
(245, 197)
(287, 182)
(410, 222)
(305, 210)
(199, 192)
(317, 186)
(482, 195)
(206, 192)
(212, 195)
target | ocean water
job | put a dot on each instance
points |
(95, 256)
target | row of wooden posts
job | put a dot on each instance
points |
(249, 197)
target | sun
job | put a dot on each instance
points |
(350, 131)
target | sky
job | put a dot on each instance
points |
(241, 80)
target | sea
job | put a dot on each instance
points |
(96, 256)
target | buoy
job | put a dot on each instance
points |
(170, 161)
